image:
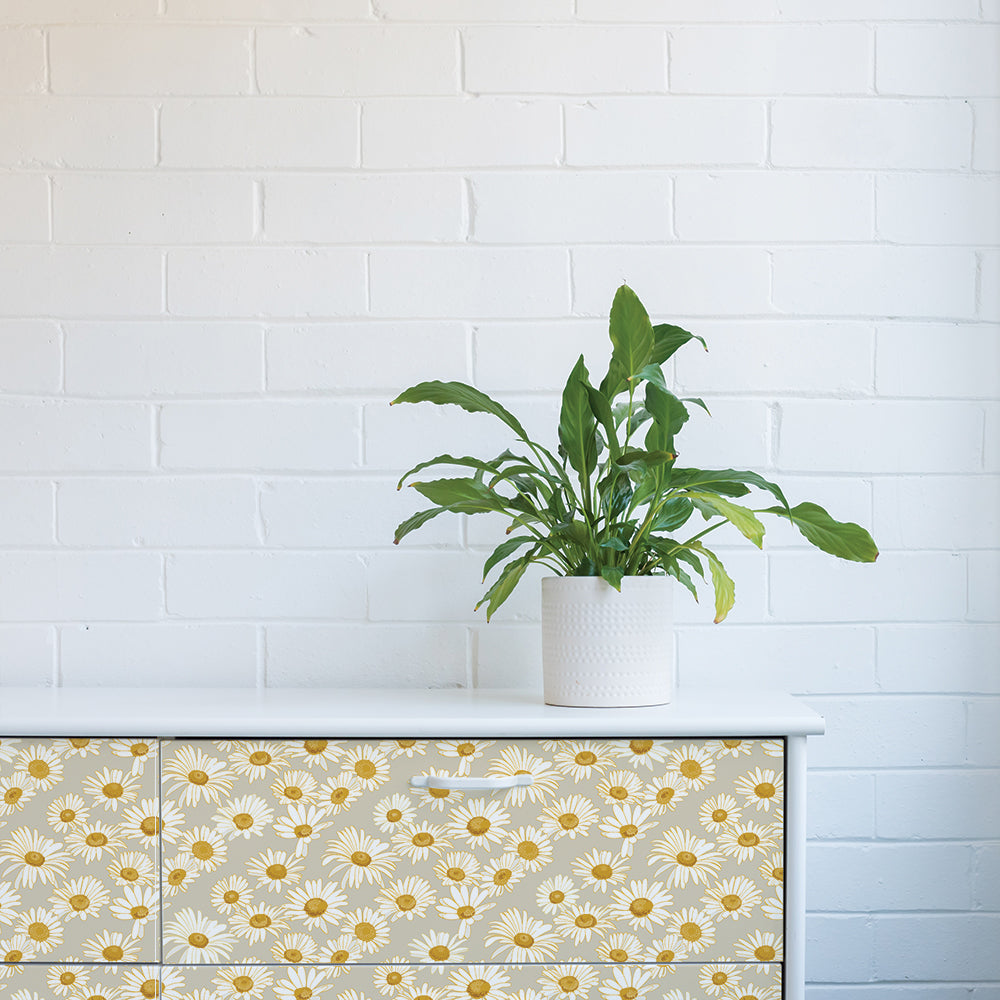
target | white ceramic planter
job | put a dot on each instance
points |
(607, 649)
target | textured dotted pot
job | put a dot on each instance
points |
(605, 648)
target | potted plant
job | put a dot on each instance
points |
(604, 513)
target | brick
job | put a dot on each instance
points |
(358, 60)
(620, 207)
(839, 949)
(30, 356)
(156, 512)
(24, 208)
(918, 282)
(983, 732)
(27, 655)
(777, 206)
(345, 514)
(366, 356)
(818, 358)
(260, 132)
(991, 444)
(840, 657)
(841, 805)
(22, 61)
(881, 877)
(406, 656)
(74, 132)
(265, 585)
(149, 59)
(665, 131)
(72, 435)
(500, 350)
(966, 209)
(169, 358)
(469, 282)
(733, 437)
(938, 60)
(874, 132)
(984, 585)
(986, 145)
(397, 438)
(564, 60)
(901, 587)
(172, 655)
(949, 512)
(253, 11)
(879, 10)
(508, 655)
(965, 805)
(909, 360)
(260, 435)
(673, 281)
(152, 208)
(473, 132)
(989, 285)
(908, 991)
(407, 586)
(364, 208)
(81, 281)
(27, 513)
(670, 11)
(955, 657)
(909, 946)
(770, 59)
(259, 281)
(881, 731)
(533, 11)
(880, 436)
(48, 11)
(80, 586)
(985, 876)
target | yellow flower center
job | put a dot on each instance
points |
(478, 825)
(39, 769)
(690, 769)
(365, 769)
(765, 790)
(477, 989)
(556, 896)
(276, 871)
(38, 931)
(628, 993)
(406, 902)
(628, 830)
(230, 896)
(393, 979)
(586, 920)
(528, 850)
(640, 746)
(719, 815)
(690, 931)
(422, 839)
(315, 746)
(113, 953)
(361, 859)
(585, 758)
(465, 912)
(259, 921)
(202, 850)
(731, 902)
(197, 777)
(365, 931)
(197, 940)
(12, 795)
(641, 907)
(666, 956)
(67, 815)
(260, 758)
(150, 826)
(764, 953)
(139, 912)
(748, 839)
(243, 821)
(439, 953)
(303, 830)
(113, 790)
(618, 792)
(243, 984)
(618, 955)
(96, 839)
(686, 858)
(664, 796)
(778, 873)
(338, 795)
(455, 874)
(79, 903)
(569, 821)
(293, 955)
(139, 749)
(303, 993)
(293, 792)
(340, 957)
(67, 978)
(601, 872)
(719, 979)
(35, 859)
(393, 815)
(502, 876)
(129, 874)
(176, 876)
(568, 984)
(523, 940)
(466, 749)
(315, 907)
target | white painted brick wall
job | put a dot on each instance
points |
(232, 230)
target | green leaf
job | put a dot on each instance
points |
(632, 338)
(729, 482)
(845, 540)
(698, 401)
(613, 575)
(741, 518)
(725, 589)
(667, 339)
(679, 574)
(672, 514)
(465, 461)
(644, 459)
(614, 543)
(460, 394)
(505, 549)
(601, 409)
(509, 578)
(463, 496)
(414, 522)
(577, 424)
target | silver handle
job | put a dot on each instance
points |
(453, 783)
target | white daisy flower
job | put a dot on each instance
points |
(243, 982)
(369, 927)
(439, 799)
(730, 748)
(340, 793)
(369, 764)
(773, 748)
(515, 759)
(229, 894)
(43, 928)
(773, 869)
(570, 816)
(295, 787)
(478, 982)
(423, 991)
(136, 752)
(257, 760)
(731, 898)
(65, 812)
(761, 788)
(664, 793)
(437, 946)
(16, 791)
(500, 874)
(145, 981)
(394, 812)
(629, 982)
(408, 748)
(583, 923)
(358, 858)
(457, 868)
(246, 817)
(685, 857)
(583, 760)
(132, 868)
(14, 949)
(693, 929)
(479, 822)
(41, 764)
(567, 982)
(773, 907)
(80, 897)
(112, 789)
(10, 903)
(745, 840)
(393, 979)
(641, 752)
(760, 946)
(419, 840)
(467, 905)
(178, 874)
(666, 951)
(304, 982)
(112, 946)
(626, 825)
(303, 824)
(624, 787)
(601, 870)
(319, 754)
(532, 845)
(642, 904)
(203, 848)
(65, 980)
(758, 990)
(717, 812)
(555, 894)
(316, 903)
(406, 899)
(295, 949)
(694, 764)
(275, 870)
(719, 980)
(142, 822)
(464, 751)
(193, 776)
(519, 937)
(257, 922)
(342, 952)
(29, 857)
(137, 903)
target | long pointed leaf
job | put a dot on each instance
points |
(415, 521)
(731, 482)
(725, 589)
(505, 549)
(667, 338)
(742, 518)
(460, 394)
(509, 578)
(464, 461)
(577, 424)
(632, 336)
(846, 540)
(463, 496)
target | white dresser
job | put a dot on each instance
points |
(399, 845)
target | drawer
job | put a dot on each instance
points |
(397, 981)
(83, 982)
(321, 851)
(79, 850)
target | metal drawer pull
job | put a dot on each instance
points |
(470, 784)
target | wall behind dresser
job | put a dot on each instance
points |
(232, 230)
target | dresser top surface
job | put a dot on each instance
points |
(387, 712)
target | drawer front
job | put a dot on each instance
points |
(79, 850)
(84, 982)
(398, 981)
(618, 851)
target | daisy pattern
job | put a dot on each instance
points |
(341, 951)
(642, 904)
(229, 894)
(694, 928)
(316, 904)
(665, 793)
(193, 776)
(394, 812)
(532, 846)
(177, 876)
(479, 822)
(65, 812)
(358, 858)
(369, 764)
(257, 761)
(581, 924)
(142, 823)
(761, 946)
(256, 923)
(369, 927)
(41, 765)
(628, 983)
(567, 982)
(16, 791)
(10, 903)
(136, 753)
(295, 949)
(193, 938)
(694, 764)
(457, 867)
(338, 794)
(731, 899)
(755, 989)
(132, 868)
(773, 869)
(301, 824)
(666, 951)
(392, 980)
(582, 760)
(625, 826)
(242, 982)
(601, 870)
(420, 840)
(406, 899)
(718, 811)
(649, 754)
(571, 817)
(43, 929)
(112, 946)
(554, 894)
(300, 983)
(294, 787)
(499, 875)
(719, 980)
(466, 905)
(139, 904)
(408, 748)
(519, 937)
(320, 755)
(93, 841)
(686, 857)
(245, 817)
(625, 787)
(275, 871)
(439, 799)
(81, 898)
(29, 857)
(515, 759)
(437, 946)
(464, 752)
(745, 840)
(65, 980)
(112, 789)
(761, 788)
(203, 848)
(478, 982)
